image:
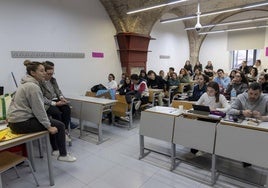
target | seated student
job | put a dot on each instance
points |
(197, 72)
(198, 65)
(173, 81)
(215, 101)
(123, 77)
(244, 68)
(200, 88)
(213, 98)
(162, 74)
(253, 74)
(184, 78)
(263, 80)
(251, 104)
(171, 70)
(232, 74)
(55, 103)
(258, 65)
(27, 113)
(125, 88)
(110, 90)
(209, 69)
(156, 82)
(143, 75)
(188, 67)
(139, 90)
(239, 83)
(222, 80)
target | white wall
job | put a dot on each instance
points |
(214, 48)
(59, 26)
(171, 40)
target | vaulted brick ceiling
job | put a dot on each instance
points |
(143, 22)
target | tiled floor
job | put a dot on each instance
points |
(115, 164)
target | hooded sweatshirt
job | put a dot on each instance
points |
(242, 103)
(28, 103)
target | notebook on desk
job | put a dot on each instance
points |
(200, 109)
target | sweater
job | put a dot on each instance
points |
(28, 103)
(206, 100)
(242, 103)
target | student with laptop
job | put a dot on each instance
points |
(215, 101)
(213, 98)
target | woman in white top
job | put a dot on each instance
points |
(213, 98)
(110, 90)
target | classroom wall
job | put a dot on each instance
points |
(59, 26)
(171, 40)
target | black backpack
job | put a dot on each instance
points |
(97, 87)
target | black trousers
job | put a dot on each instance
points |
(61, 113)
(32, 125)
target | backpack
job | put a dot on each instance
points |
(97, 87)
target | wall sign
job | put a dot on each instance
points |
(97, 54)
(35, 54)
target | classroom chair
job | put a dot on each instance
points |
(9, 160)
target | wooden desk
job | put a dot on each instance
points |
(90, 109)
(28, 138)
(190, 131)
(242, 142)
(157, 122)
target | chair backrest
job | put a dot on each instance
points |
(121, 106)
(187, 105)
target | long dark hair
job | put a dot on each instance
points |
(216, 87)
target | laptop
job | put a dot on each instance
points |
(200, 109)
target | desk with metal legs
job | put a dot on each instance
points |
(157, 122)
(90, 109)
(28, 138)
(195, 131)
(243, 142)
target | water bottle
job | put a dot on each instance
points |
(233, 94)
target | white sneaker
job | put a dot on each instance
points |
(55, 153)
(137, 105)
(200, 153)
(67, 158)
(68, 138)
(125, 118)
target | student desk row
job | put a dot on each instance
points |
(239, 142)
(28, 138)
(90, 109)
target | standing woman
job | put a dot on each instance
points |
(27, 113)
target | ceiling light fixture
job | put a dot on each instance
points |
(155, 6)
(254, 5)
(231, 23)
(230, 30)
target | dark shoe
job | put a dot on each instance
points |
(245, 165)
(73, 126)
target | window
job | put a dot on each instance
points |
(244, 55)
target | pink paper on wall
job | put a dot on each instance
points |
(97, 54)
(266, 51)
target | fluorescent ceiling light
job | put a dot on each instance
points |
(155, 6)
(229, 30)
(254, 5)
(231, 23)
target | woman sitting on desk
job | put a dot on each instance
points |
(27, 114)
(110, 90)
(213, 98)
